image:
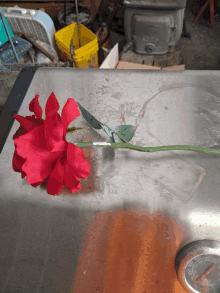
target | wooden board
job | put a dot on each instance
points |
(167, 60)
(54, 8)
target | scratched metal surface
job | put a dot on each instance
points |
(42, 236)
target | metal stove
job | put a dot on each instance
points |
(142, 220)
(153, 27)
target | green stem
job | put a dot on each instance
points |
(127, 145)
(74, 128)
(150, 149)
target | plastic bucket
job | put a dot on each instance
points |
(88, 52)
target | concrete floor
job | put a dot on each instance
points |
(202, 51)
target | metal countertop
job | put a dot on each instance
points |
(43, 236)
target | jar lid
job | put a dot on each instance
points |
(104, 24)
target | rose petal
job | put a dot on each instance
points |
(34, 119)
(32, 103)
(37, 171)
(70, 180)
(69, 113)
(37, 184)
(52, 105)
(77, 161)
(54, 134)
(39, 161)
(19, 132)
(35, 107)
(55, 180)
(53, 127)
(27, 124)
(17, 164)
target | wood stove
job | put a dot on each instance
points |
(153, 26)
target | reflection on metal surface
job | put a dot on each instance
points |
(179, 176)
(90, 184)
(173, 117)
(205, 219)
(181, 116)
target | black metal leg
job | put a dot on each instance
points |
(65, 12)
(185, 33)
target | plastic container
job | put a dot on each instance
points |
(85, 16)
(88, 52)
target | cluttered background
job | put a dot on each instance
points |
(148, 35)
(198, 47)
(52, 243)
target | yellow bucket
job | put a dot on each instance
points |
(88, 52)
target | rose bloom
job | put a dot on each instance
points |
(42, 152)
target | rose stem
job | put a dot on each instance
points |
(127, 145)
(151, 149)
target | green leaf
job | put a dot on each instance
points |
(126, 131)
(89, 118)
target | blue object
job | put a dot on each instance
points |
(8, 35)
(21, 47)
(3, 34)
(4, 69)
(11, 48)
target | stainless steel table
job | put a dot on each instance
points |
(43, 237)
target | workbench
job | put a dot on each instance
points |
(136, 210)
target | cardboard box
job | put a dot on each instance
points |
(112, 61)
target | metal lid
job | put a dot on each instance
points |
(104, 24)
(160, 4)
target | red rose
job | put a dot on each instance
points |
(41, 150)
